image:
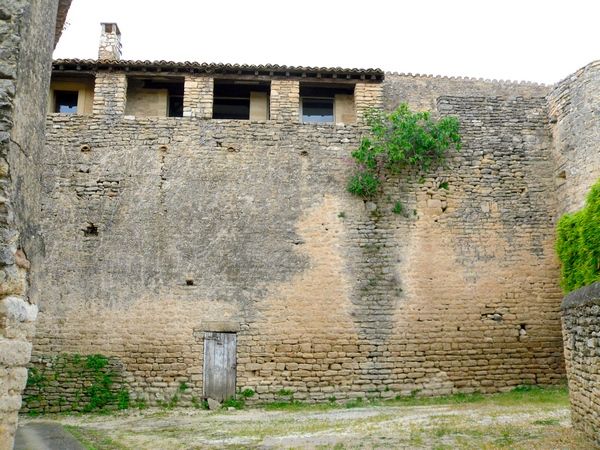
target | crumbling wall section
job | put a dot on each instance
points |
(26, 40)
(581, 332)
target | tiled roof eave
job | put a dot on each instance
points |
(226, 69)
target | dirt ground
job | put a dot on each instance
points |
(506, 423)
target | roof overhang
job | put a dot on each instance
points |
(267, 70)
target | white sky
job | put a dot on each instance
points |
(534, 40)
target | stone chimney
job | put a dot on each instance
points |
(110, 42)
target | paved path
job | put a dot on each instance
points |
(45, 436)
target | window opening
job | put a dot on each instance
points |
(317, 110)
(238, 99)
(158, 96)
(65, 102)
(318, 102)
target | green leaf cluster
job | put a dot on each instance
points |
(399, 140)
(99, 393)
(578, 244)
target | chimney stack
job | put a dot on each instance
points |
(110, 42)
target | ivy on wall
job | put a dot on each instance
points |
(578, 243)
(398, 140)
(76, 383)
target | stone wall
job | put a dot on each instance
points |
(110, 94)
(158, 228)
(573, 108)
(285, 100)
(72, 382)
(197, 97)
(28, 32)
(581, 331)
(421, 91)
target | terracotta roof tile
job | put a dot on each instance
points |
(214, 68)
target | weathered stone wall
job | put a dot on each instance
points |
(72, 382)
(197, 97)
(110, 94)
(26, 41)
(421, 91)
(285, 100)
(573, 108)
(163, 227)
(581, 332)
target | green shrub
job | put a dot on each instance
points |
(399, 140)
(363, 184)
(578, 244)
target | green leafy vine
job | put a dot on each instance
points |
(399, 140)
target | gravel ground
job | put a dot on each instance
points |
(531, 426)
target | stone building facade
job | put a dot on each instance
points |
(175, 237)
(28, 31)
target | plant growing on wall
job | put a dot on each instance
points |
(89, 383)
(399, 140)
(578, 244)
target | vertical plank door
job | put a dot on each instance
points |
(219, 365)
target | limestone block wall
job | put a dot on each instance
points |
(422, 91)
(198, 97)
(110, 93)
(285, 100)
(164, 226)
(26, 41)
(581, 332)
(573, 108)
(366, 96)
(72, 382)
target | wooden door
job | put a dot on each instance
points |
(219, 365)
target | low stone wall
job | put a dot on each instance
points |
(72, 382)
(581, 334)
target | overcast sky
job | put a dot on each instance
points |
(534, 40)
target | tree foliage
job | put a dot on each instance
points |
(398, 140)
(578, 244)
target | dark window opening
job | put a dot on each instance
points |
(175, 105)
(189, 282)
(317, 110)
(65, 102)
(174, 87)
(231, 108)
(318, 101)
(240, 99)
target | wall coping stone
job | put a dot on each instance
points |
(581, 297)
